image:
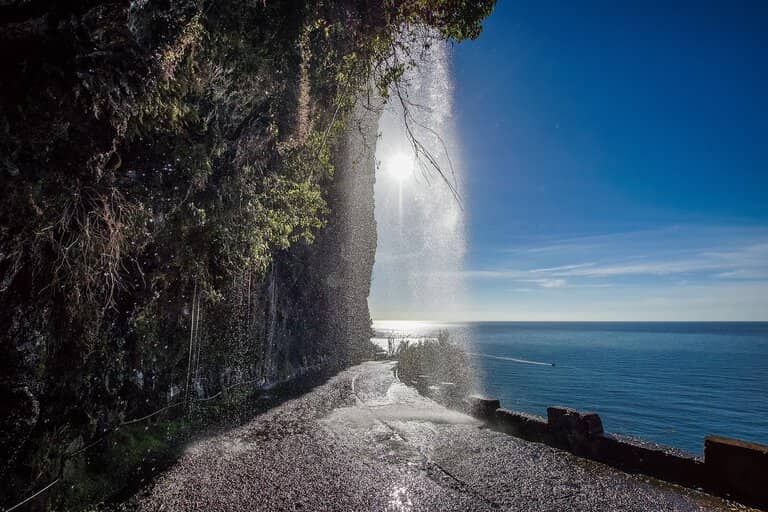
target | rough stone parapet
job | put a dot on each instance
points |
(481, 407)
(737, 469)
(573, 430)
(518, 424)
(730, 468)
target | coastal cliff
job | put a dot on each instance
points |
(187, 207)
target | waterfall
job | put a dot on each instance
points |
(420, 220)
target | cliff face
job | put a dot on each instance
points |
(320, 292)
(166, 168)
(187, 206)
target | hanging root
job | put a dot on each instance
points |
(90, 242)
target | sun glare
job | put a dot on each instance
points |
(400, 166)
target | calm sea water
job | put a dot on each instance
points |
(672, 383)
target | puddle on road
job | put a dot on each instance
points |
(400, 403)
(392, 425)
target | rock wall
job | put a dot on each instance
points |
(321, 291)
(308, 313)
(318, 294)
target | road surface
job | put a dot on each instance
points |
(364, 441)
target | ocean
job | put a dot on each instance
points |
(668, 382)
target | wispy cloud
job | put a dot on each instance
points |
(562, 268)
(549, 283)
(745, 274)
(748, 262)
(716, 273)
(658, 268)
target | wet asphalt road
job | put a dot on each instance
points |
(364, 441)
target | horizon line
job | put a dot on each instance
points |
(565, 321)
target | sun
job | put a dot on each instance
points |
(400, 166)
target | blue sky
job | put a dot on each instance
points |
(616, 157)
(616, 163)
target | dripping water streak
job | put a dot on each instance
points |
(421, 227)
(191, 340)
(198, 342)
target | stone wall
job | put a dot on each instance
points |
(731, 468)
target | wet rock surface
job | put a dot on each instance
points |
(365, 441)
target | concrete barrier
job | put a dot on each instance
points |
(637, 456)
(573, 430)
(737, 469)
(481, 407)
(518, 424)
(731, 468)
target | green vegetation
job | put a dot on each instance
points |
(439, 363)
(141, 449)
(156, 159)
